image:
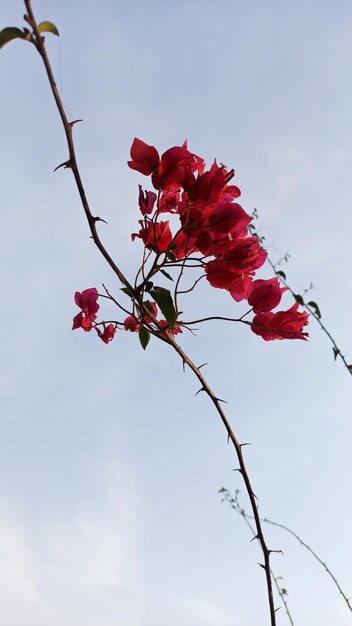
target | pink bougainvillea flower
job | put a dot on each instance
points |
(265, 295)
(131, 324)
(176, 167)
(87, 301)
(156, 236)
(281, 325)
(241, 256)
(108, 334)
(171, 331)
(80, 321)
(146, 201)
(145, 159)
(240, 286)
(212, 185)
(229, 218)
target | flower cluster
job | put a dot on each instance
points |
(214, 227)
(87, 302)
(212, 234)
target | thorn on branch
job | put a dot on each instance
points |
(74, 122)
(65, 165)
(261, 565)
(248, 443)
(203, 365)
(220, 400)
(255, 537)
(199, 390)
(98, 219)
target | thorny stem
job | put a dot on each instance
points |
(235, 505)
(72, 164)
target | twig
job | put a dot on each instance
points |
(234, 503)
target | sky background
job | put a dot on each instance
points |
(109, 465)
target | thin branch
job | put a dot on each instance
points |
(313, 313)
(234, 503)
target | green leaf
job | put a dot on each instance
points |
(166, 274)
(316, 308)
(9, 33)
(298, 299)
(170, 255)
(126, 291)
(144, 337)
(282, 274)
(164, 300)
(48, 27)
(149, 285)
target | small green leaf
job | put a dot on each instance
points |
(281, 273)
(336, 353)
(48, 27)
(126, 291)
(164, 300)
(298, 299)
(9, 33)
(144, 337)
(170, 255)
(166, 274)
(316, 308)
(149, 285)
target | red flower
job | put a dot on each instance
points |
(156, 236)
(176, 330)
(212, 185)
(241, 256)
(79, 321)
(108, 334)
(145, 159)
(177, 166)
(131, 324)
(282, 325)
(146, 201)
(265, 295)
(87, 301)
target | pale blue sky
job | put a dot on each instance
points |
(109, 466)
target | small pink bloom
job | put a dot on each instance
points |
(281, 325)
(145, 159)
(131, 324)
(79, 321)
(108, 334)
(265, 295)
(146, 201)
(87, 301)
(171, 331)
(156, 236)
